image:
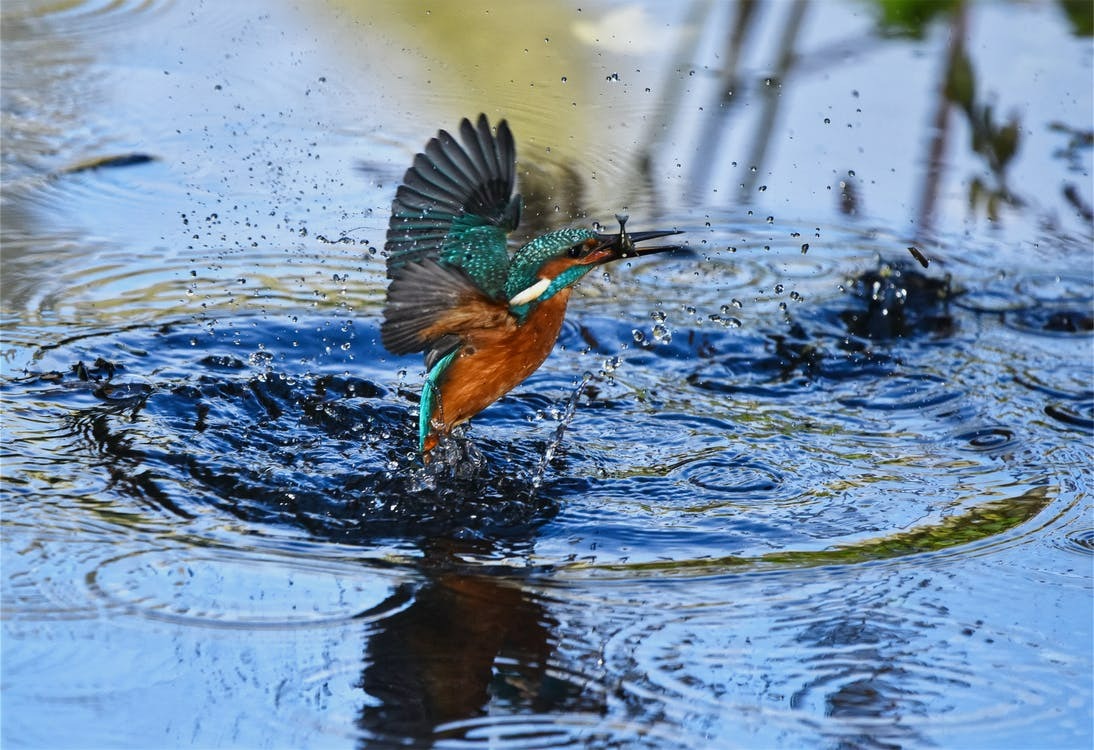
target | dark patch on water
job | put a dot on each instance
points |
(266, 442)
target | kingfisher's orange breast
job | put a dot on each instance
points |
(493, 361)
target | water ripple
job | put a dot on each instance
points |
(1081, 542)
(227, 589)
(904, 393)
(1069, 399)
(987, 439)
(561, 730)
(1052, 288)
(86, 17)
(42, 582)
(732, 475)
(257, 420)
(782, 660)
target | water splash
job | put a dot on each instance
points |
(560, 431)
(454, 458)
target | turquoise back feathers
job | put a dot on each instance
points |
(447, 240)
(456, 205)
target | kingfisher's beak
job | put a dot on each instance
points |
(624, 245)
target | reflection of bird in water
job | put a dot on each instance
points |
(461, 649)
(484, 319)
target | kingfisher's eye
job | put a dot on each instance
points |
(583, 249)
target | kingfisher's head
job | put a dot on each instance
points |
(558, 260)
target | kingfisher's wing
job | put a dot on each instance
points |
(456, 205)
(432, 306)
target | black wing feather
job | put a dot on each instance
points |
(506, 152)
(419, 294)
(432, 174)
(452, 180)
(479, 153)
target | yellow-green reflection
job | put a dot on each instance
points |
(978, 523)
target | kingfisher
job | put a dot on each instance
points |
(484, 317)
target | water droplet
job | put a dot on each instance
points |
(805, 248)
(658, 316)
(639, 337)
(827, 121)
(736, 303)
(260, 359)
(564, 79)
(762, 188)
(779, 288)
(661, 334)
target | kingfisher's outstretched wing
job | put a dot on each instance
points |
(431, 306)
(447, 254)
(446, 241)
(456, 206)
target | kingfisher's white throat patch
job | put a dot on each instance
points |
(531, 294)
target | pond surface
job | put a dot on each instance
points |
(794, 491)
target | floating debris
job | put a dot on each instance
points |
(109, 162)
(922, 259)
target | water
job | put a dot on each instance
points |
(796, 491)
